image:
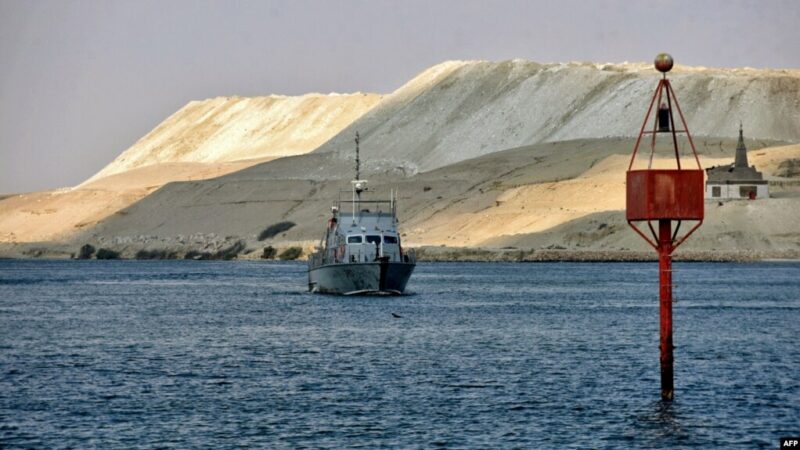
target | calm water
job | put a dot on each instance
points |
(181, 354)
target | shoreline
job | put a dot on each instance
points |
(240, 251)
(548, 255)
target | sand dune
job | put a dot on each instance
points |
(566, 194)
(235, 128)
(523, 212)
(463, 109)
(205, 139)
(485, 154)
(60, 214)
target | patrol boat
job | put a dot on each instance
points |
(361, 252)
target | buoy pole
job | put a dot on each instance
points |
(665, 278)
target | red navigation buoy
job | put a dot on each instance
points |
(664, 196)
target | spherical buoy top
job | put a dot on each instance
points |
(663, 62)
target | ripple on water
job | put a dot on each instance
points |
(221, 354)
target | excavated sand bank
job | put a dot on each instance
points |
(505, 201)
(219, 171)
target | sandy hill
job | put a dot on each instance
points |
(567, 195)
(204, 139)
(225, 129)
(61, 213)
(462, 109)
(509, 154)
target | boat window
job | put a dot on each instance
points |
(373, 239)
(353, 239)
(389, 239)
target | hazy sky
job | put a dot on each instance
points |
(80, 81)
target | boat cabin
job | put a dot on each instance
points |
(366, 231)
(370, 237)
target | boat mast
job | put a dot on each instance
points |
(393, 205)
(358, 184)
(358, 161)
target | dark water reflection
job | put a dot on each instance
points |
(212, 354)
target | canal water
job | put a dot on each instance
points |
(182, 354)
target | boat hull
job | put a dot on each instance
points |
(360, 278)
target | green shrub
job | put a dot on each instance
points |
(291, 253)
(269, 253)
(274, 229)
(229, 252)
(86, 252)
(105, 253)
(155, 254)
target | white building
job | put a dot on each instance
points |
(737, 180)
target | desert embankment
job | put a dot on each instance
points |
(204, 139)
(512, 160)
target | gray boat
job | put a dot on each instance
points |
(361, 251)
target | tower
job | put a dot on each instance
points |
(741, 150)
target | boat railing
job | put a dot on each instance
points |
(316, 259)
(321, 258)
(373, 206)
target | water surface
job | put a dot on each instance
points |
(144, 354)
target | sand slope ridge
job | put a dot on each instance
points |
(567, 195)
(204, 139)
(490, 154)
(60, 214)
(521, 211)
(463, 109)
(236, 128)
